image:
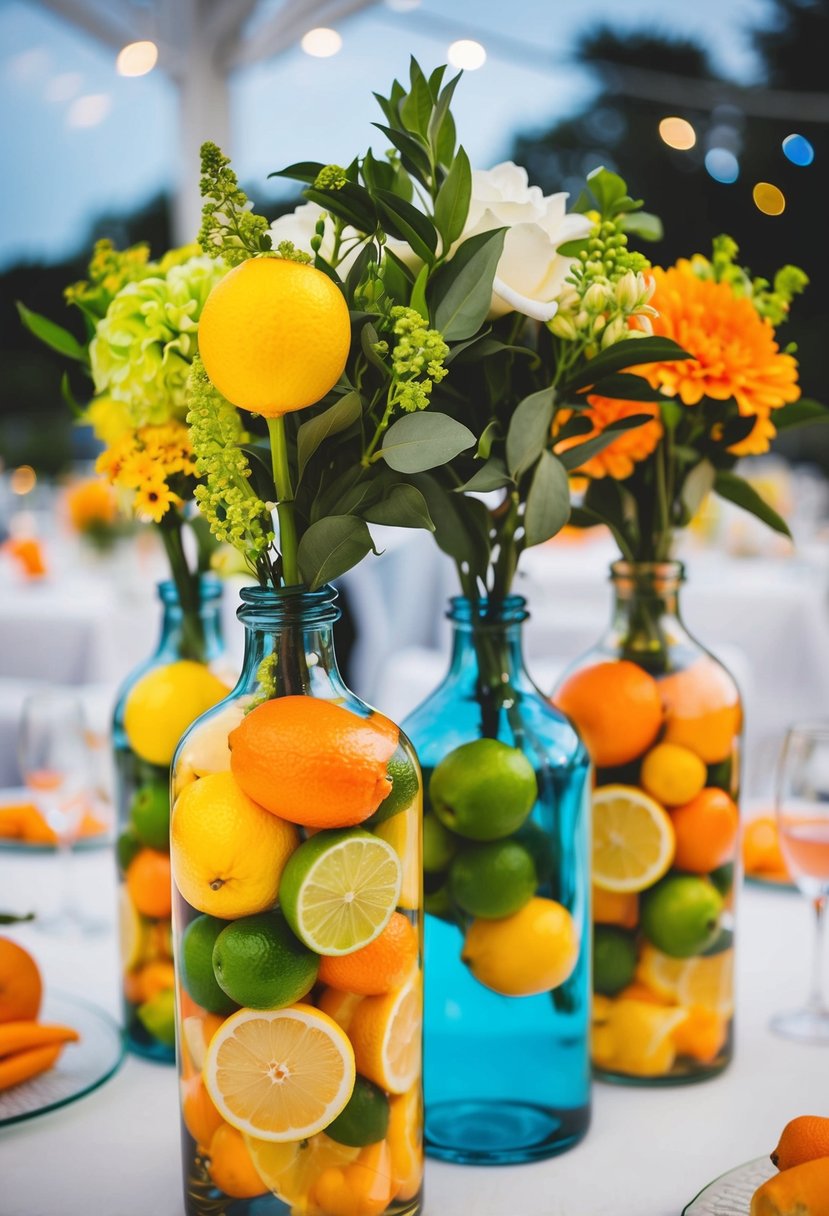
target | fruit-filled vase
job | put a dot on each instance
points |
(506, 874)
(295, 847)
(662, 719)
(155, 705)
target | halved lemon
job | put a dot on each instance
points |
(133, 931)
(406, 1142)
(633, 839)
(708, 982)
(402, 832)
(339, 1005)
(386, 1034)
(280, 1074)
(291, 1169)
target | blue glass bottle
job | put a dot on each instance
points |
(142, 816)
(507, 1077)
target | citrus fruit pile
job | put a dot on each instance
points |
(295, 857)
(158, 709)
(485, 862)
(27, 1047)
(665, 843)
(802, 1158)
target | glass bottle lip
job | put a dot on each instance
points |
(657, 577)
(487, 610)
(210, 588)
(267, 607)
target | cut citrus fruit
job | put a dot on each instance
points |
(279, 1074)
(132, 931)
(405, 1142)
(196, 1031)
(633, 839)
(660, 972)
(708, 982)
(339, 890)
(339, 1005)
(291, 1169)
(364, 1188)
(402, 832)
(637, 1038)
(385, 1032)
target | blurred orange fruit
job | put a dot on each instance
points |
(702, 710)
(615, 908)
(21, 987)
(230, 1167)
(149, 883)
(378, 967)
(706, 830)
(339, 1005)
(761, 848)
(701, 1035)
(802, 1139)
(802, 1189)
(406, 1143)
(200, 1115)
(154, 978)
(616, 708)
(363, 1188)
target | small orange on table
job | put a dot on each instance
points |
(27, 1047)
(762, 854)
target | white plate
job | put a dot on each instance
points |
(731, 1194)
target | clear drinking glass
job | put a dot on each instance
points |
(54, 763)
(803, 823)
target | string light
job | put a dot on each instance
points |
(322, 43)
(798, 150)
(23, 480)
(677, 133)
(466, 54)
(722, 165)
(768, 198)
(137, 59)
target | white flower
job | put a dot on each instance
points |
(298, 226)
(530, 273)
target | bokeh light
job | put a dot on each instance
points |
(722, 165)
(137, 59)
(466, 54)
(321, 42)
(64, 87)
(769, 198)
(798, 150)
(402, 6)
(89, 110)
(677, 133)
(23, 480)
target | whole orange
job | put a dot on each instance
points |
(378, 967)
(149, 883)
(198, 1112)
(702, 710)
(312, 762)
(761, 848)
(21, 988)
(802, 1189)
(706, 831)
(616, 708)
(802, 1139)
(274, 335)
(231, 1168)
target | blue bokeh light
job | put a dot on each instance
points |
(722, 165)
(798, 150)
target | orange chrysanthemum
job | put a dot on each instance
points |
(91, 503)
(619, 457)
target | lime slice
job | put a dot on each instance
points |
(339, 889)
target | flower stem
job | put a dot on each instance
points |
(187, 587)
(284, 500)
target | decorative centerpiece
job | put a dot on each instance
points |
(661, 717)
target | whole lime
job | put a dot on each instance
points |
(197, 944)
(150, 816)
(439, 845)
(127, 847)
(483, 790)
(494, 879)
(723, 878)
(614, 959)
(540, 846)
(364, 1118)
(438, 902)
(259, 963)
(158, 1017)
(405, 783)
(681, 915)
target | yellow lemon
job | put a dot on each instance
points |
(532, 951)
(227, 853)
(633, 839)
(274, 335)
(707, 982)
(385, 1032)
(660, 972)
(402, 832)
(163, 703)
(205, 750)
(673, 775)
(406, 1142)
(637, 1038)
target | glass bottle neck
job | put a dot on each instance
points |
(289, 643)
(487, 640)
(646, 605)
(182, 636)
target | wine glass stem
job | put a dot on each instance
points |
(816, 1001)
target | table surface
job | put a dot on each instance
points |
(648, 1152)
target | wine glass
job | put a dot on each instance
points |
(54, 763)
(803, 824)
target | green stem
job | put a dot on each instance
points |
(284, 501)
(187, 587)
(368, 454)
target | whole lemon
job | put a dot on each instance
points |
(227, 852)
(673, 775)
(163, 703)
(530, 952)
(274, 335)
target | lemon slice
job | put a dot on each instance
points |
(132, 931)
(708, 982)
(633, 839)
(402, 832)
(280, 1074)
(291, 1169)
(386, 1032)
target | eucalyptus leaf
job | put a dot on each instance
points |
(548, 501)
(488, 436)
(452, 202)
(331, 546)
(461, 291)
(735, 489)
(338, 417)
(52, 335)
(492, 475)
(529, 431)
(461, 524)
(631, 352)
(403, 507)
(575, 457)
(418, 442)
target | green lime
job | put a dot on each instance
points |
(150, 816)
(483, 790)
(721, 775)
(126, 848)
(723, 878)
(158, 1017)
(339, 889)
(260, 964)
(405, 784)
(196, 964)
(614, 959)
(681, 915)
(365, 1117)
(539, 844)
(439, 845)
(493, 880)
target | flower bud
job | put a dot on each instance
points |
(615, 331)
(562, 326)
(596, 297)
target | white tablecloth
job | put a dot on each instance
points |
(116, 1152)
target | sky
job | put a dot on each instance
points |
(77, 140)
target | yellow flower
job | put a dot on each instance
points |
(619, 457)
(154, 499)
(109, 419)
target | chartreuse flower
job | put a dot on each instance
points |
(110, 269)
(771, 300)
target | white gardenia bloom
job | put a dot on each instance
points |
(530, 273)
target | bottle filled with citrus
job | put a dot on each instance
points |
(296, 864)
(184, 677)
(662, 719)
(507, 893)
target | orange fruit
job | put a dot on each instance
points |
(312, 762)
(802, 1189)
(385, 1033)
(706, 831)
(154, 978)
(637, 991)
(198, 1112)
(197, 1029)
(339, 1005)
(274, 335)
(802, 1139)
(149, 883)
(378, 967)
(231, 1168)
(702, 710)
(364, 1188)
(761, 848)
(615, 908)
(616, 708)
(406, 1143)
(21, 987)
(701, 1035)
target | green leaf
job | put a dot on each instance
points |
(735, 489)
(351, 203)
(416, 107)
(331, 546)
(488, 437)
(736, 429)
(573, 427)
(671, 412)
(413, 156)
(418, 297)
(303, 171)
(608, 189)
(572, 249)
(623, 386)
(377, 174)
(696, 487)
(368, 338)
(631, 352)
(461, 291)
(441, 124)
(436, 80)
(69, 397)
(452, 202)
(52, 335)
(573, 458)
(548, 501)
(529, 431)
(315, 431)
(492, 475)
(409, 224)
(418, 442)
(446, 140)
(368, 254)
(643, 224)
(799, 413)
(462, 525)
(611, 504)
(398, 279)
(403, 507)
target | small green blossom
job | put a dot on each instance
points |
(289, 251)
(110, 269)
(771, 301)
(331, 177)
(230, 230)
(417, 360)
